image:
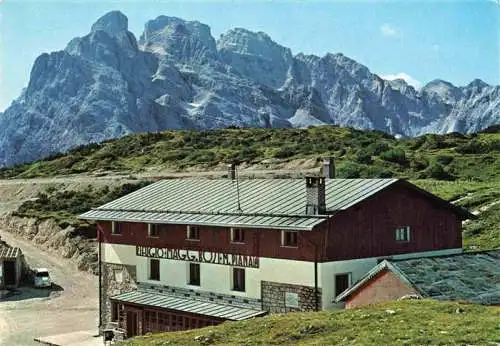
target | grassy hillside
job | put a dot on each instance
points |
(358, 153)
(481, 198)
(396, 323)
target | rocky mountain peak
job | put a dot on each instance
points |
(477, 84)
(180, 40)
(439, 87)
(245, 42)
(113, 23)
(443, 90)
(256, 56)
(398, 84)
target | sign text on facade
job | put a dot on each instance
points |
(201, 256)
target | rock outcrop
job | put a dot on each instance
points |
(49, 235)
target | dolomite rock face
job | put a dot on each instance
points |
(177, 76)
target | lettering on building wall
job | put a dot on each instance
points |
(200, 256)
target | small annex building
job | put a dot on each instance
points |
(470, 276)
(186, 253)
(11, 267)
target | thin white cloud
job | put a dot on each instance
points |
(388, 30)
(404, 76)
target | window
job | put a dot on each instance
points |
(163, 321)
(118, 275)
(116, 228)
(194, 274)
(117, 312)
(153, 230)
(193, 233)
(237, 235)
(289, 238)
(403, 234)
(239, 279)
(341, 283)
(154, 269)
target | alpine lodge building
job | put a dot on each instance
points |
(187, 253)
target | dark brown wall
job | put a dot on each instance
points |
(368, 229)
(258, 242)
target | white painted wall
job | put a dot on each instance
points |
(214, 277)
(217, 277)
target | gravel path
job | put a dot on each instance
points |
(72, 306)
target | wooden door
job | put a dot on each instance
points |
(132, 323)
(9, 273)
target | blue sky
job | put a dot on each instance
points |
(449, 39)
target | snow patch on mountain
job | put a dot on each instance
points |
(401, 77)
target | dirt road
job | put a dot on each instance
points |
(34, 313)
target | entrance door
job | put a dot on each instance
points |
(132, 323)
(9, 273)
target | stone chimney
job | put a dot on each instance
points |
(328, 168)
(231, 171)
(315, 195)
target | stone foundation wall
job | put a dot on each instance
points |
(116, 279)
(278, 297)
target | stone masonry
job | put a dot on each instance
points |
(274, 296)
(116, 279)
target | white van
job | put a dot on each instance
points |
(42, 277)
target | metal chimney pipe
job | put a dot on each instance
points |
(231, 171)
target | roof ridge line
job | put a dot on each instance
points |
(305, 216)
(473, 252)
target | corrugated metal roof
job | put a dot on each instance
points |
(194, 306)
(265, 203)
(281, 201)
(244, 221)
(9, 252)
(257, 196)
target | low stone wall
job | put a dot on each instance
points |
(279, 298)
(49, 236)
(116, 279)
